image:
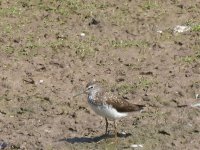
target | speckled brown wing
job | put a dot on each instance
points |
(123, 105)
(98, 98)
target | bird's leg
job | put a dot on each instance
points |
(115, 126)
(106, 126)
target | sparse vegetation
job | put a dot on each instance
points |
(10, 11)
(196, 28)
(144, 83)
(128, 43)
(189, 59)
(126, 88)
(150, 5)
(44, 58)
(83, 50)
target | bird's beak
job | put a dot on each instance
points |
(83, 92)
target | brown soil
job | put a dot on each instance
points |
(45, 60)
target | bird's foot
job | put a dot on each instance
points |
(108, 133)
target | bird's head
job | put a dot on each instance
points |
(91, 87)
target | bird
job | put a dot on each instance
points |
(108, 105)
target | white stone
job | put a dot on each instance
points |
(136, 145)
(197, 96)
(159, 31)
(196, 105)
(82, 34)
(180, 29)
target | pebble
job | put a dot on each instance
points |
(181, 29)
(159, 31)
(197, 96)
(41, 81)
(136, 146)
(196, 105)
(82, 34)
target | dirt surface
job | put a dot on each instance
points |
(49, 51)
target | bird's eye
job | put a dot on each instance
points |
(91, 87)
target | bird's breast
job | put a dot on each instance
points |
(91, 100)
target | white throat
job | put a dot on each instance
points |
(91, 96)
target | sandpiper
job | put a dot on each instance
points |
(108, 105)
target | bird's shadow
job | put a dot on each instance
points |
(92, 139)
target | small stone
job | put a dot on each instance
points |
(181, 29)
(136, 145)
(197, 96)
(29, 80)
(120, 80)
(196, 105)
(94, 22)
(123, 133)
(146, 73)
(159, 31)
(146, 98)
(82, 34)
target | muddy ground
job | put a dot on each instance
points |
(49, 51)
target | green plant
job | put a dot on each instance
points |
(128, 43)
(188, 59)
(150, 5)
(196, 28)
(126, 88)
(144, 83)
(83, 50)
